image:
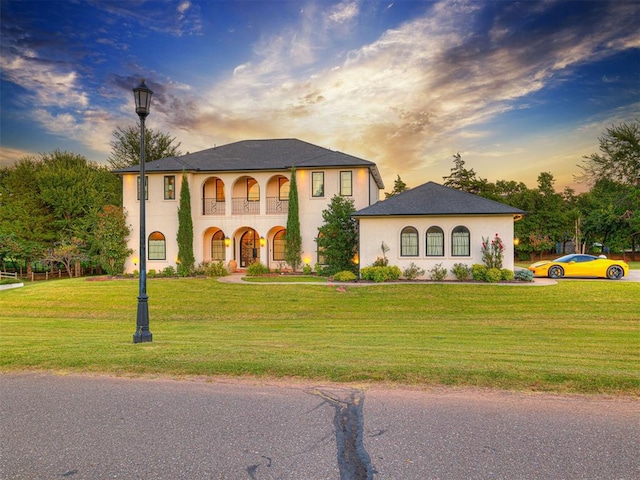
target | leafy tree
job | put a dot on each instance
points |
(186, 260)
(293, 244)
(338, 236)
(26, 230)
(619, 157)
(67, 252)
(604, 217)
(75, 190)
(398, 187)
(125, 148)
(613, 211)
(110, 239)
(463, 179)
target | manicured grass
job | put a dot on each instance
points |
(577, 336)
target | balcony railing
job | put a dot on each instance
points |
(277, 206)
(211, 206)
(242, 206)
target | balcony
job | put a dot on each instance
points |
(277, 206)
(211, 206)
(242, 206)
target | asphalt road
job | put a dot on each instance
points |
(95, 427)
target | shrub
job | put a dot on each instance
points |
(438, 272)
(524, 275)
(136, 273)
(256, 269)
(461, 271)
(185, 270)
(169, 271)
(507, 274)
(479, 272)
(307, 270)
(322, 270)
(380, 274)
(381, 262)
(412, 271)
(345, 276)
(492, 252)
(214, 269)
(151, 273)
(493, 275)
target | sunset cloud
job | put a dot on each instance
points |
(406, 85)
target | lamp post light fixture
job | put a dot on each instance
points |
(142, 96)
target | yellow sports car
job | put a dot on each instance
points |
(577, 265)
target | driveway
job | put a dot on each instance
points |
(98, 427)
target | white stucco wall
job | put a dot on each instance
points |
(162, 215)
(374, 231)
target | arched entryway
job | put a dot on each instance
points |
(249, 248)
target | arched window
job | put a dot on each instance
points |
(435, 242)
(283, 188)
(253, 190)
(409, 242)
(278, 246)
(218, 250)
(157, 247)
(460, 242)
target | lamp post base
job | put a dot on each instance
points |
(143, 334)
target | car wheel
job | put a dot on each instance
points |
(615, 272)
(556, 272)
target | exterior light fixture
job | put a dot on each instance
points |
(516, 241)
(142, 96)
(227, 241)
(262, 241)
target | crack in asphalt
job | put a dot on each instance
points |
(353, 460)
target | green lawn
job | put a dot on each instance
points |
(577, 336)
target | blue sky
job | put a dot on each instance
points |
(517, 88)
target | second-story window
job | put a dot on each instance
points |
(253, 190)
(169, 187)
(317, 184)
(146, 187)
(346, 184)
(219, 193)
(283, 188)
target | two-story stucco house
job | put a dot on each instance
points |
(239, 200)
(239, 204)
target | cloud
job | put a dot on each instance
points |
(53, 85)
(400, 99)
(408, 99)
(343, 12)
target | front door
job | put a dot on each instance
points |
(249, 248)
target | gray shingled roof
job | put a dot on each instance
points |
(248, 155)
(435, 199)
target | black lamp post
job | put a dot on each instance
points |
(142, 96)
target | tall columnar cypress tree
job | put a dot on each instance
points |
(186, 260)
(293, 245)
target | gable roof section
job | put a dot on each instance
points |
(434, 199)
(257, 155)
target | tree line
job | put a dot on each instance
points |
(59, 209)
(606, 218)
